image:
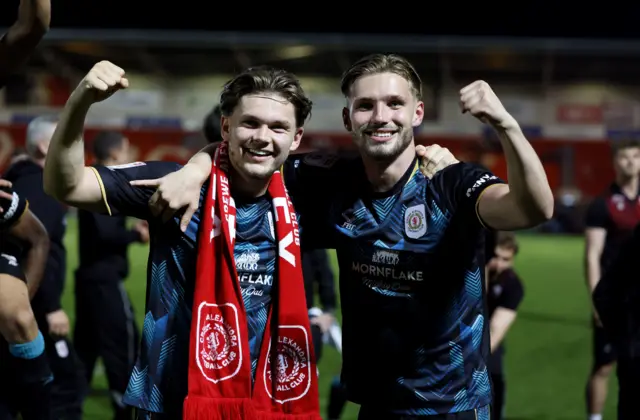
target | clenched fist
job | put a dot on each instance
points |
(102, 81)
(479, 100)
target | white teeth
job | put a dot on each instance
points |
(258, 152)
(382, 134)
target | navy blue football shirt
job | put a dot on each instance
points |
(159, 379)
(415, 331)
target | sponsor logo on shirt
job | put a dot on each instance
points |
(247, 261)
(481, 181)
(12, 208)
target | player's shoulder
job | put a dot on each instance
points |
(323, 160)
(463, 174)
(148, 169)
(599, 204)
(513, 280)
(328, 165)
(462, 170)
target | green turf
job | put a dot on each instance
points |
(549, 347)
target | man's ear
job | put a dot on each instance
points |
(346, 119)
(297, 139)
(224, 128)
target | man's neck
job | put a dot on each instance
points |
(107, 162)
(383, 175)
(629, 186)
(249, 188)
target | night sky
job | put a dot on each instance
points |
(522, 19)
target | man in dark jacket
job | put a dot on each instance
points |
(26, 175)
(105, 325)
(617, 302)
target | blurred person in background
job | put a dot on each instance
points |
(194, 142)
(68, 389)
(105, 324)
(211, 126)
(17, 322)
(504, 294)
(617, 301)
(318, 277)
(319, 281)
(25, 387)
(610, 221)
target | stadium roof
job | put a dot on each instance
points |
(517, 60)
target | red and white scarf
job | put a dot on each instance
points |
(220, 385)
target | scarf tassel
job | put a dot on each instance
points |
(201, 408)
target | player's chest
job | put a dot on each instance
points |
(255, 266)
(402, 223)
(624, 212)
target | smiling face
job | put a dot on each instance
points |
(261, 132)
(263, 113)
(381, 113)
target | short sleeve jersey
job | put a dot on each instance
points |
(618, 215)
(506, 292)
(415, 330)
(158, 381)
(13, 207)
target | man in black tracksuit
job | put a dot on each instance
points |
(105, 326)
(68, 387)
(617, 300)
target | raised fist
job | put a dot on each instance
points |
(479, 100)
(102, 81)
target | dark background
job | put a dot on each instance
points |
(515, 19)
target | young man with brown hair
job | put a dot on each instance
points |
(226, 323)
(410, 248)
(610, 221)
(504, 295)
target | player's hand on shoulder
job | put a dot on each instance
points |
(434, 158)
(480, 100)
(175, 191)
(102, 81)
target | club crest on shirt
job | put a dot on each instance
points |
(415, 221)
(218, 344)
(618, 200)
(292, 370)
